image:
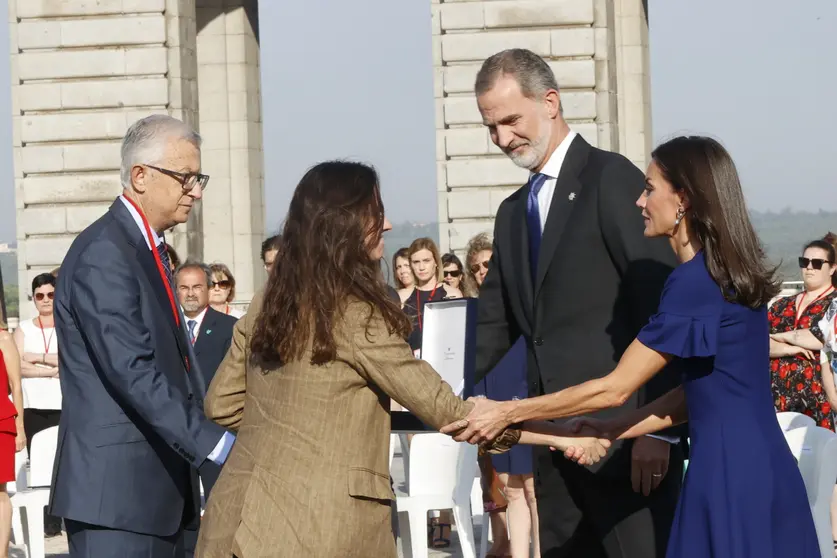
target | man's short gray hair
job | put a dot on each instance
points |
(146, 139)
(191, 264)
(531, 72)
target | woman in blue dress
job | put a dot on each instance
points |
(743, 496)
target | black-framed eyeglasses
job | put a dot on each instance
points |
(452, 272)
(188, 180)
(223, 284)
(816, 263)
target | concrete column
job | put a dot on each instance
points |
(82, 72)
(474, 176)
(231, 124)
(634, 80)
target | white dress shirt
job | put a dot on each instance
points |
(222, 449)
(551, 169)
(198, 321)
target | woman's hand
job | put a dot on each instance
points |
(793, 350)
(20, 439)
(587, 450)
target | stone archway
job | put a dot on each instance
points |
(83, 71)
(230, 121)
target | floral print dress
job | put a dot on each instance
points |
(796, 381)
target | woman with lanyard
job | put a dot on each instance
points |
(796, 339)
(426, 265)
(38, 347)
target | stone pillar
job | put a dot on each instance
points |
(634, 80)
(82, 72)
(474, 176)
(231, 125)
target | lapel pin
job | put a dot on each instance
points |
(571, 197)
(208, 331)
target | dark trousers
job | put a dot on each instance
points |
(587, 515)
(93, 541)
(209, 473)
(34, 421)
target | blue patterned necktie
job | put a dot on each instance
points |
(191, 325)
(533, 220)
(164, 257)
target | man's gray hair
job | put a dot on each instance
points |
(531, 72)
(191, 264)
(145, 142)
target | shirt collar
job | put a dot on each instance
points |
(138, 220)
(556, 160)
(199, 318)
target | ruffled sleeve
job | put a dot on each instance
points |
(689, 318)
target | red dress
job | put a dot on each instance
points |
(8, 430)
(796, 380)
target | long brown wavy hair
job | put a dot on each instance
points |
(702, 169)
(336, 215)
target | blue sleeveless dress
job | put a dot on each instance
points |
(743, 495)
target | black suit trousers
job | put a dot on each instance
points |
(594, 515)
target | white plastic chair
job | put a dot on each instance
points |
(815, 450)
(478, 509)
(35, 497)
(441, 477)
(789, 421)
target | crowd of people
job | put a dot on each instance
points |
(625, 321)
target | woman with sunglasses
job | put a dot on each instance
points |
(37, 344)
(453, 275)
(223, 290)
(796, 339)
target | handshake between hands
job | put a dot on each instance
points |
(583, 440)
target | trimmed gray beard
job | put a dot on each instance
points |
(533, 156)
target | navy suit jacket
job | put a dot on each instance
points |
(131, 426)
(213, 342)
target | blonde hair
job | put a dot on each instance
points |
(425, 243)
(477, 244)
(218, 268)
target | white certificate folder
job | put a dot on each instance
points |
(449, 346)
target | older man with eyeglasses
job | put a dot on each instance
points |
(135, 432)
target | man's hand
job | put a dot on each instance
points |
(486, 421)
(649, 463)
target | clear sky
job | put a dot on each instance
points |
(353, 79)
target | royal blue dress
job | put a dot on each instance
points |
(505, 382)
(743, 495)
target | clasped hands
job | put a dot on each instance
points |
(583, 440)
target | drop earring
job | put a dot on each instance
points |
(680, 214)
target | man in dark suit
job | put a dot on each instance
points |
(210, 333)
(133, 428)
(572, 272)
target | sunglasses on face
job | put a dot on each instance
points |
(453, 273)
(476, 267)
(816, 263)
(225, 284)
(40, 296)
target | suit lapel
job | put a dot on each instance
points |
(206, 328)
(149, 268)
(567, 188)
